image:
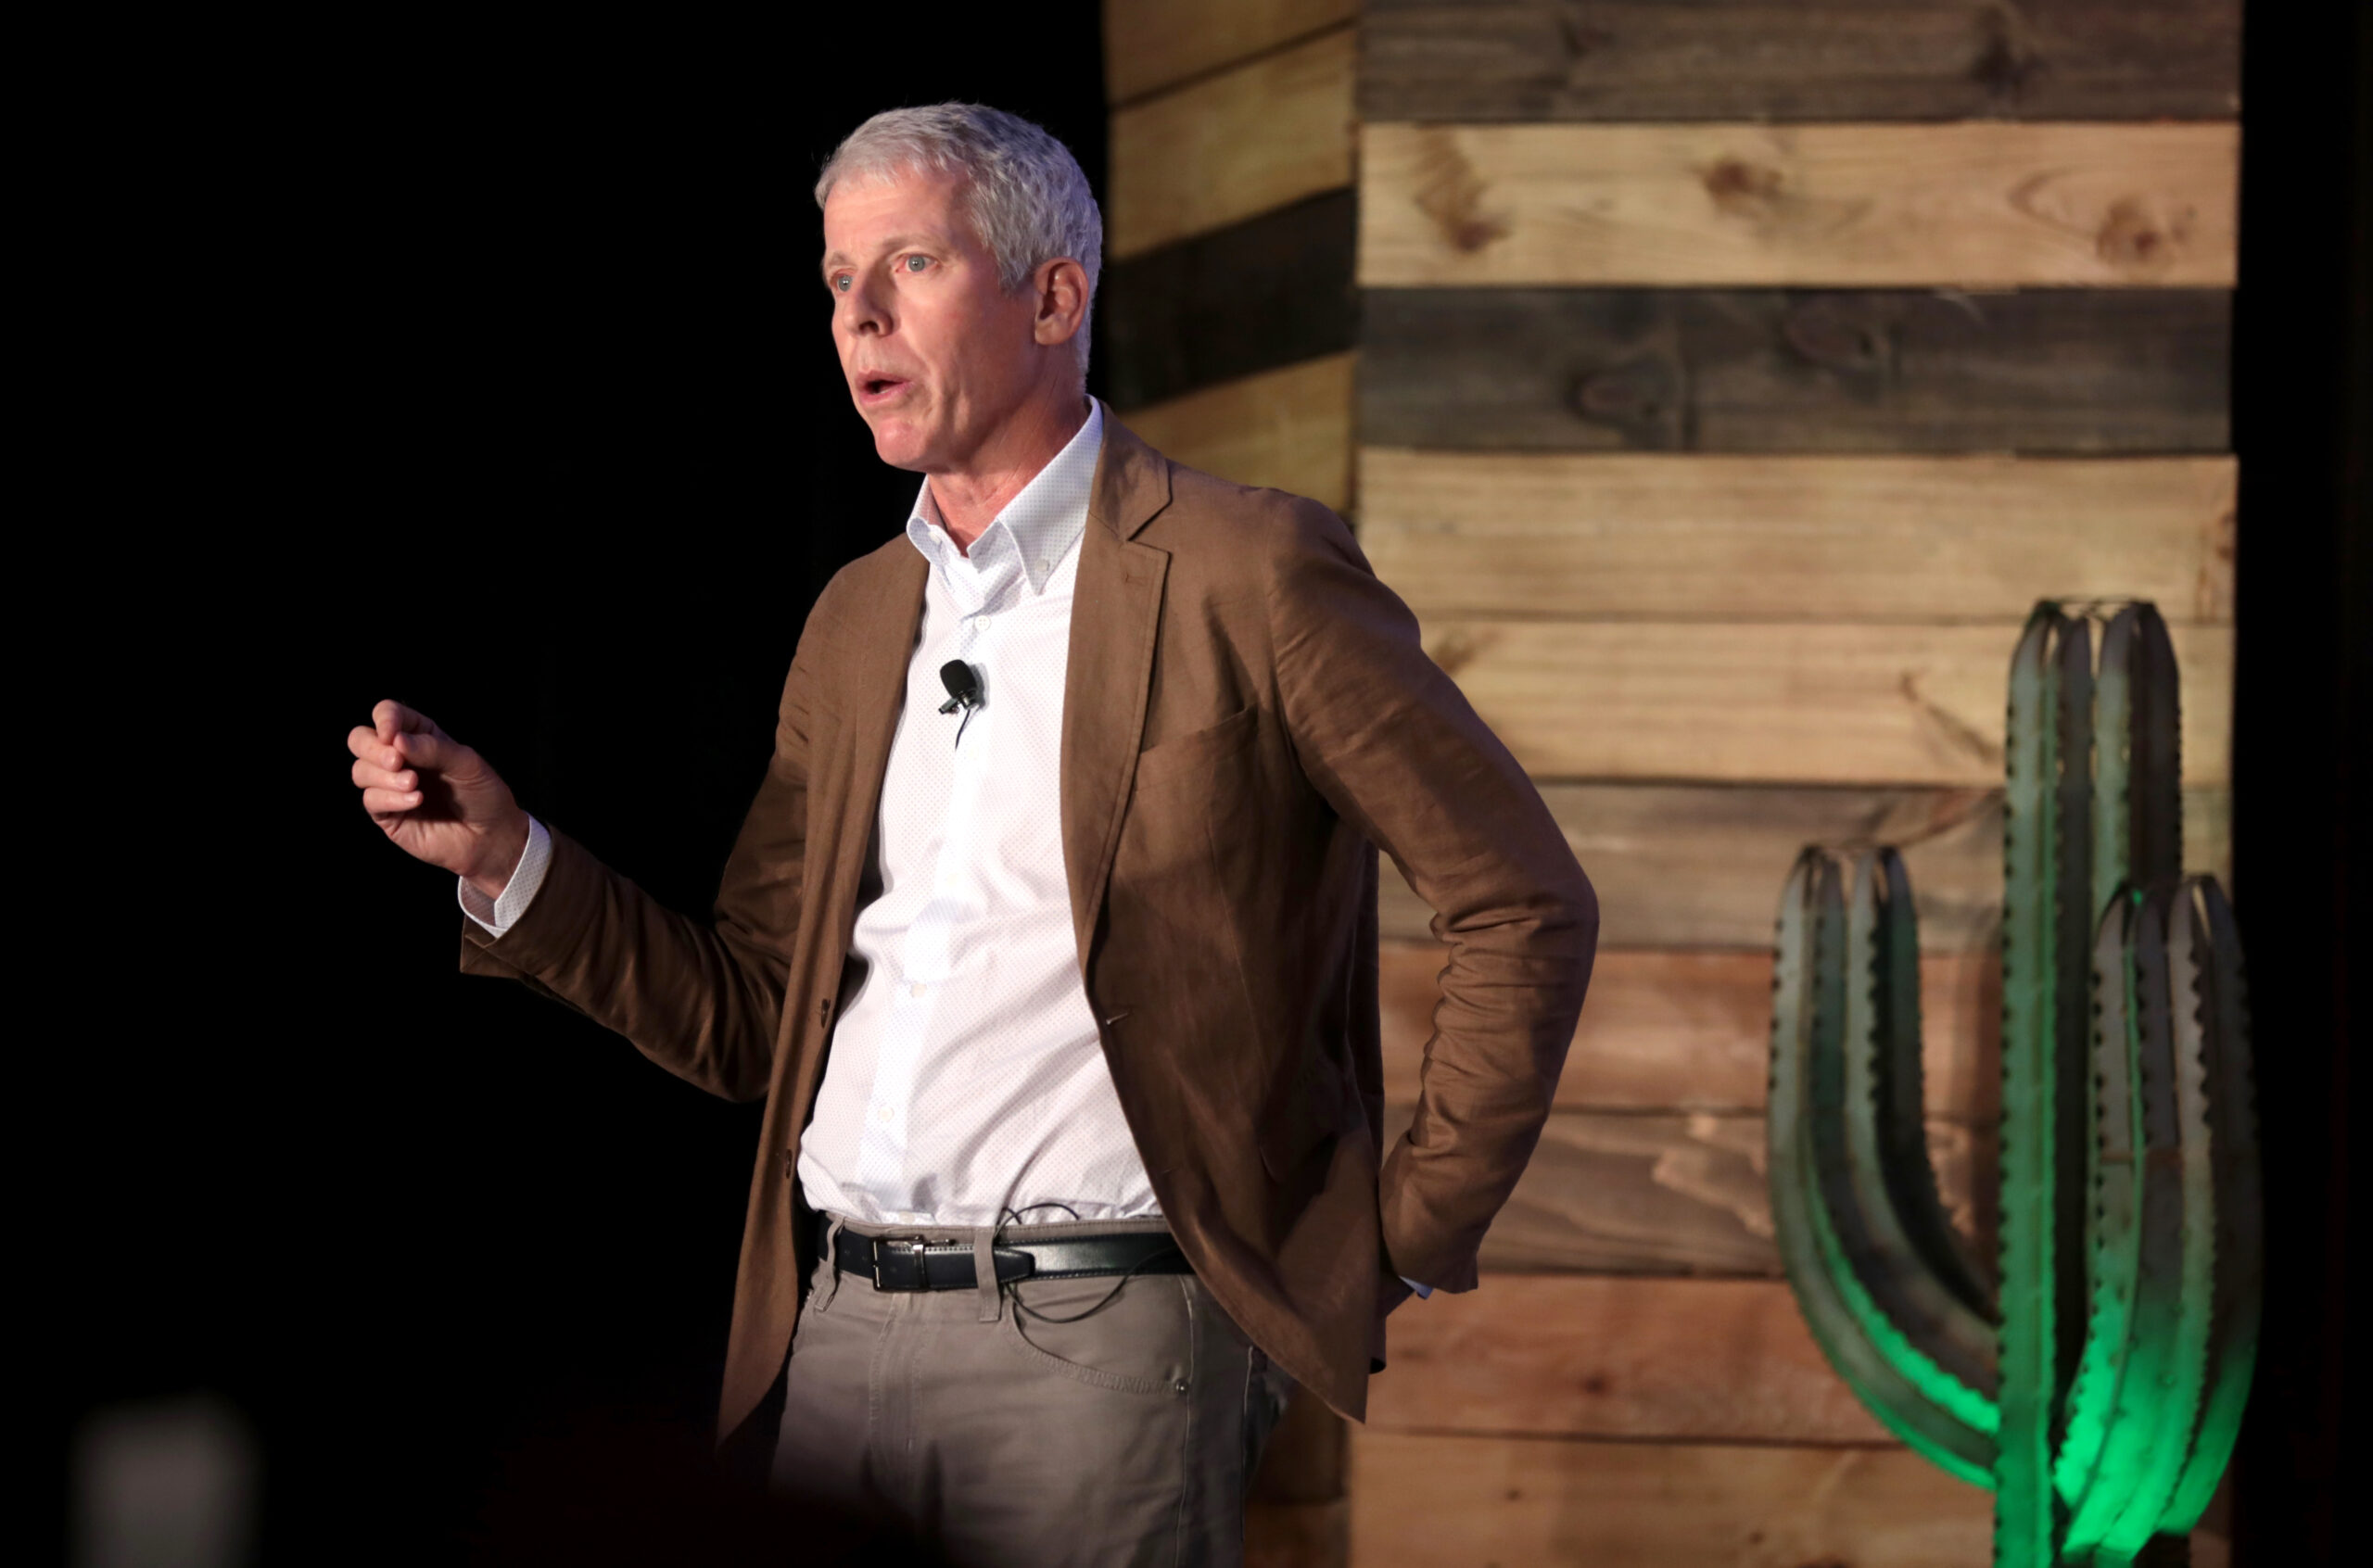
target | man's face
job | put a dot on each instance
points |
(937, 355)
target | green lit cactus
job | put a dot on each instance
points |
(2098, 1389)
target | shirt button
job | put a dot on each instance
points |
(915, 989)
(885, 1116)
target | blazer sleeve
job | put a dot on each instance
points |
(1395, 747)
(702, 999)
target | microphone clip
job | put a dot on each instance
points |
(963, 683)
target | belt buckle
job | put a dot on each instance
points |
(900, 1251)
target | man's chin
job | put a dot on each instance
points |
(900, 445)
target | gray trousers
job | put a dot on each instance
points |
(967, 1427)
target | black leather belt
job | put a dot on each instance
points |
(911, 1263)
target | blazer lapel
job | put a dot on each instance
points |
(881, 648)
(1116, 615)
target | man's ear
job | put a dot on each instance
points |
(1062, 300)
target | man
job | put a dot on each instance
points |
(1050, 937)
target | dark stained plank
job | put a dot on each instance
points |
(1610, 1193)
(1267, 292)
(1787, 60)
(1795, 369)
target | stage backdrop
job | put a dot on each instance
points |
(1721, 385)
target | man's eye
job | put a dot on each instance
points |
(917, 263)
(841, 284)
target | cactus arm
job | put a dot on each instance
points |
(1806, 1025)
(2169, 1436)
(2149, 1397)
(1910, 1179)
(2024, 1533)
(2241, 1262)
(1879, 1161)
(2112, 1237)
(2157, 755)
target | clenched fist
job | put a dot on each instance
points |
(437, 798)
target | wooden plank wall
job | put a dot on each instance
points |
(1721, 384)
(1228, 316)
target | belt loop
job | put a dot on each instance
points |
(832, 1262)
(984, 1270)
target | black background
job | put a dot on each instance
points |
(492, 374)
(489, 372)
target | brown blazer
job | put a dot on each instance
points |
(1246, 712)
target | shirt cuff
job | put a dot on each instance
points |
(1423, 1291)
(498, 915)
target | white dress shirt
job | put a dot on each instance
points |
(966, 1081)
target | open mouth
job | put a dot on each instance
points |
(877, 388)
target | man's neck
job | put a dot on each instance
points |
(969, 498)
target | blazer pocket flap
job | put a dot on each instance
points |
(1198, 751)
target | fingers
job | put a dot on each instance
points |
(390, 719)
(430, 748)
(375, 775)
(367, 745)
(400, 736)
(381, 801)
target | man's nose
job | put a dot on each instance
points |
(861, 310)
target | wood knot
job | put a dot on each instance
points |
(1450, 193)
(2132, 239)
(1828, 335)
(1743, 189)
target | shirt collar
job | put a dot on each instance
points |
(1041, 523)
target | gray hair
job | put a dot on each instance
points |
(1027, 195)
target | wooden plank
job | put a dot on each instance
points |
(1977, 204)
(1290, 427)
(1812, 702)
(1765, 371)
(1864, 537)
(1581, 1356)
(1267, 292)
(1458, 1502)
(1692, 1031)
(1767, 59)
(1218, 151)
(1700, 865)
(1150, 45)
(1612, 1192)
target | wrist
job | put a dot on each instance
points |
(498, 854)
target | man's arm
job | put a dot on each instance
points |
(702, 999)
(1395, 748)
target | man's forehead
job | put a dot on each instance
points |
(907, 201)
